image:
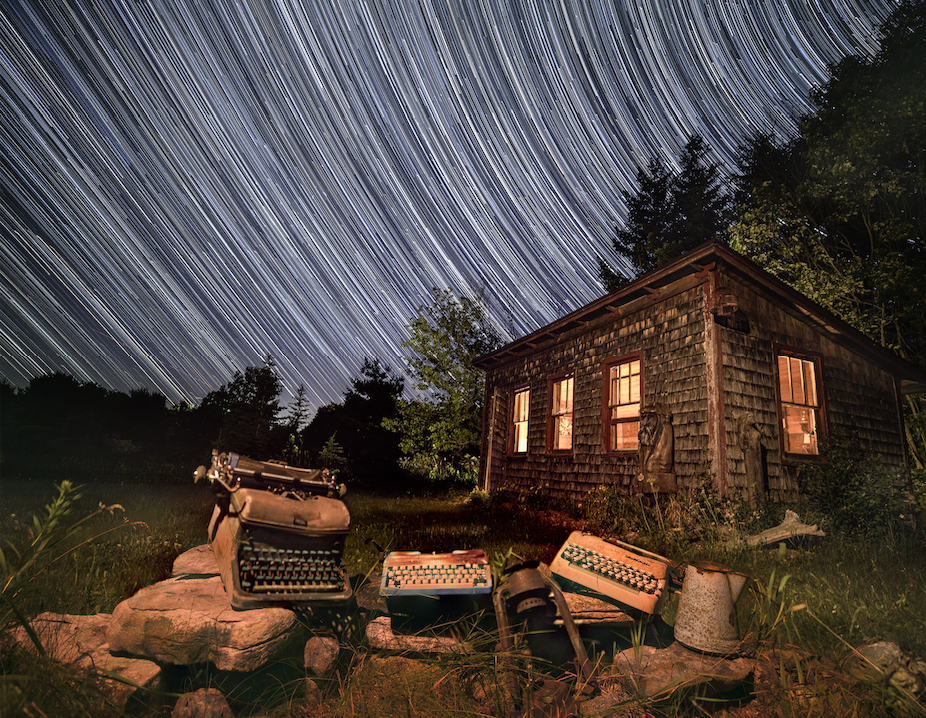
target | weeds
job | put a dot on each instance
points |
(806, 603)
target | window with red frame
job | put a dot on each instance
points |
(622, 395)
(799, 397)
(519, 421)
(561, 397)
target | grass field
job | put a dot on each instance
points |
(848, 590)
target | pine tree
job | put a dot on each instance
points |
(670, 214)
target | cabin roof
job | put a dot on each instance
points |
(696, 265)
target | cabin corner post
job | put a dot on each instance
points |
(713, 366)
(489, 422)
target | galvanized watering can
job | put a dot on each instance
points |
(706, 619)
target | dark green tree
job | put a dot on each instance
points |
(292, 423)
(839, 212)
(250, 406)
(370, 451)
(670, 213)
(440, 432)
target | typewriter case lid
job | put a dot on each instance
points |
(289, 512)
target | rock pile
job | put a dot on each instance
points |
(187, 619)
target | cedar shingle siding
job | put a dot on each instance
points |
(708, 373)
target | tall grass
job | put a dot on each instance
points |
(814, 597)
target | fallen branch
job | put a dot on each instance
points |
(789, 528)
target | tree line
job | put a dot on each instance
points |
(58, 427)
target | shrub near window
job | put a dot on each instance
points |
(854, 491)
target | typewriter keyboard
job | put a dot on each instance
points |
(436, 574)
(283, 570)
(610, 568)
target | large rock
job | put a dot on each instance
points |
(80, 641)
(197, 562)
(884, 663)
(188, 619)
(652, 672)
(321, 655)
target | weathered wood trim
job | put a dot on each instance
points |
(713, 362)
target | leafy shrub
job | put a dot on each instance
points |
(854, 491)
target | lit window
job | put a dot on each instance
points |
(519, 421)
(561, 413)
(800, 404)
(623, 405)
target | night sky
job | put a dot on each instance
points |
(188, 187)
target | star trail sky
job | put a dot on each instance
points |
(190, 186)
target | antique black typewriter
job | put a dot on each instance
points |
(278, 533)
(428, 587)
(613, 571)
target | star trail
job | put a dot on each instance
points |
(190, 186)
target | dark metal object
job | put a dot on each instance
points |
(535, 601)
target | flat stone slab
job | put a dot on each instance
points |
(587, 610)
(80, 641)
(199, 561)
(654, 672)
(381, 636)
(188, 619)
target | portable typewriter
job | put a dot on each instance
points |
(613, 571)
(278, 533)
(428, 587)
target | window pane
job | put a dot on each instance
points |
(625, 412)
(625, 383)
(810, 384)
(562, 413)
(797, 381)
(800, 429)
(520, 438)
(520, 414)
(784, 379)
(521, 405)
(624, 436)
(562, 438)
(562, 396)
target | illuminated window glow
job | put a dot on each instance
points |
(800, 405)
(561, 410)
(519, 421)
(624, 405)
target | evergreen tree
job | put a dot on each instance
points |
(839, 211)
(370, 451)
(250, 406)
(670, 214)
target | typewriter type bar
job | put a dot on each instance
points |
(277, 549)
(613, 571)
(459, 573)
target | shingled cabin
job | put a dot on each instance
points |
(708, 368)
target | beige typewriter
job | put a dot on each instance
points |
(613, 571)
(278, 533)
